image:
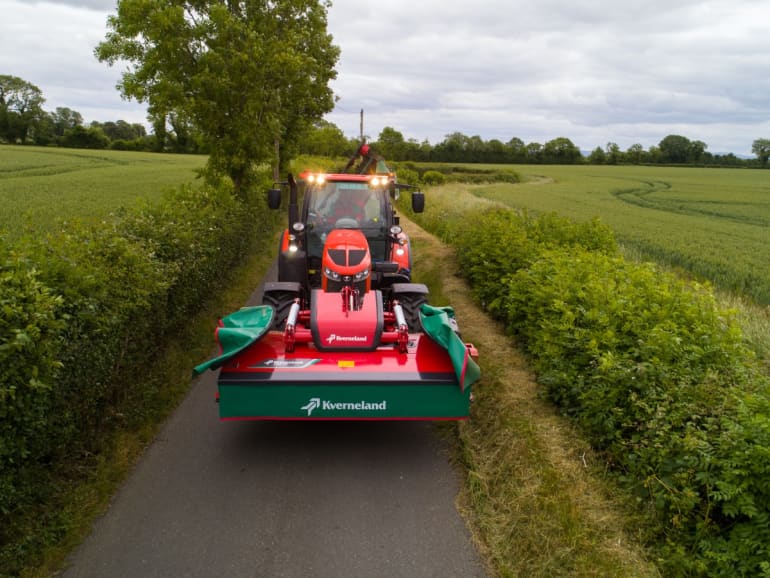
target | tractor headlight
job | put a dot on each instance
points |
(330, 274)
(361, 275)
(378, 181)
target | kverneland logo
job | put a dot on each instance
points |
(334, 338)
(317, 402)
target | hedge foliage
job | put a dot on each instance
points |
(655, 374)
(83, 310)
(437, 174)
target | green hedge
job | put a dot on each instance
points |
(30, 328)
(655, 374)
(82, 311)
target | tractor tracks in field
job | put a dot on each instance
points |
(645, 195)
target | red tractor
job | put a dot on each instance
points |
(344, 333)
(346, 234)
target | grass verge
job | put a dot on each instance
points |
(533, 494)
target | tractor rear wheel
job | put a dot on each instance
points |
(411, 303)
(280, 296)
(411, 297)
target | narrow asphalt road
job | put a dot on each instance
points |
(283, 499)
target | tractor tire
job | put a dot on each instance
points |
(280, 296)
(411, 296)
(411, 303)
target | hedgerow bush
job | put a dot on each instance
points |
(408, 176)
(433, 178)
(437, 174)
(654, 373)
(30, 327)
(196, 234)
(82, 311)
(496, 242)
(658, 377)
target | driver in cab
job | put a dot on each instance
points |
(360, 205)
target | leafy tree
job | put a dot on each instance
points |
(761, 148)
(729, 160)
(21, 108)
(417, 151)
(121, 130)
(42, 132)
(247, 74)
(614, 155)
(65, 119)
(391, 144)
(496, 152)
(184, 137)
(561, 150)
(476, 149)
(515, 144)
(159, 132)
(517, 149)
(534, 152)
(635, 153)
(452, 148)
(675, 149)
(326, 139)
(81, 137)
(654, 154)
(697, 150)
(597, 156)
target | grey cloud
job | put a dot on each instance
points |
(590, 70)
(98, 5)
(554, 66)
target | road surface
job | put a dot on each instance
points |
(282, 499)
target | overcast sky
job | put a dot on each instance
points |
(593, 71)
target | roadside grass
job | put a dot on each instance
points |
(39, 186)
(534, 495)
(165, 384)
(754, 321)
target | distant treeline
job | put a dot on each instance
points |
(327, 139)
(23, 121)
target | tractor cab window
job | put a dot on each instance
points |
(343, 205)
(340, 204)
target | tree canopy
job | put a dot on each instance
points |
(21, 108)
(761, 148)
(246, 73)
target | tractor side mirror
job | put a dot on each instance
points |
(274, 198)
(418, 201)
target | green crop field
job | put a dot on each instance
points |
(40, 186)
(713, 223)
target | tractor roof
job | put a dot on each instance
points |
(345, 177)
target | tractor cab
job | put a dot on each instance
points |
(333, 202)
(347, 204)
